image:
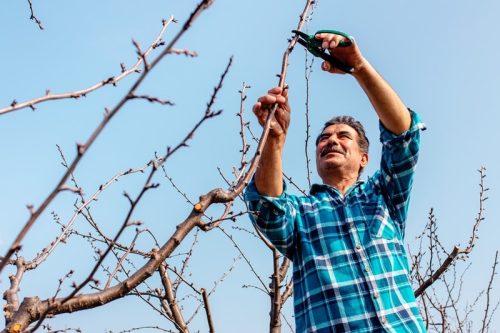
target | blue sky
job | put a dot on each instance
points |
(440, 56)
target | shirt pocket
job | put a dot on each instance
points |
(379, 222)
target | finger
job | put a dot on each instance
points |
(285, 92)
(282, 118)
(275, 91)
(257, 110)
(260, 114)
(333, 42)
(278, 91)
(328, 67)
(322, 35)
(272, 99)
(330, 41)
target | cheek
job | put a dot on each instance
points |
(319, 147)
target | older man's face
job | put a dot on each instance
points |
(338, 152)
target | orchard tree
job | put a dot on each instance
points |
(130, 259)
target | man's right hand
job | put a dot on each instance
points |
(269, 177)
(281, 119)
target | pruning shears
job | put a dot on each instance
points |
(313, 45)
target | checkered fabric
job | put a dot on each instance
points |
(350, 268)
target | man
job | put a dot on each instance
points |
(346, 238)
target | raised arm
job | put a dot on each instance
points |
(389, 107)
(269, 174)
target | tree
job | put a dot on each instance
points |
(148, 265)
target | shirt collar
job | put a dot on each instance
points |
(316, 188)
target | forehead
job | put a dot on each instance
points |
(337, 128)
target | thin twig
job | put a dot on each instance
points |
(147, 328)
(185, 262)
(307, 74)
(187, 53)
(113, 80)
(152, 99)
(216, 284)
(33, 17)
(231, 238)
(488, 294)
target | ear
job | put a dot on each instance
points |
(364, 160)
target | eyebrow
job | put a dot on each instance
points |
(344, 133)
(338, 133)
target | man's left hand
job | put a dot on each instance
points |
(349, 55)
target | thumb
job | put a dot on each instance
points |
(326, 66)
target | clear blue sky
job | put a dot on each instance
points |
(440, 56)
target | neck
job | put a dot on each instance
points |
(341, 183)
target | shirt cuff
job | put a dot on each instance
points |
(251, 194)
(389, 138)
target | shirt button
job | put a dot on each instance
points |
(367, 269)
(383, 319)
(358, 247)
(376, 295)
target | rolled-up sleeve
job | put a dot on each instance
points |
(274, 217)
(399, 158)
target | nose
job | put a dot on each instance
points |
(332, 140)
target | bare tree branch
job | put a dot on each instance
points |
(43, 255)
(170, 297)
(83, 148)
(134, 202)
(84, 92)
(207, 311)
(27, 312)
(33, 17)
(276, 302)
(11, 295)
(457, 251)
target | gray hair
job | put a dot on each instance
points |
(363, 141)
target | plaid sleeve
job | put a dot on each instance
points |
(274, 217)
(399, 158)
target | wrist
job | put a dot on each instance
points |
(360, 67)
(275, 143)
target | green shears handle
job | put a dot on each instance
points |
(343, 43)
(314, 46)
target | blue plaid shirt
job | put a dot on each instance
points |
(350, 269)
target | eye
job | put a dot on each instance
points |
(345, 136)
(323, 137)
